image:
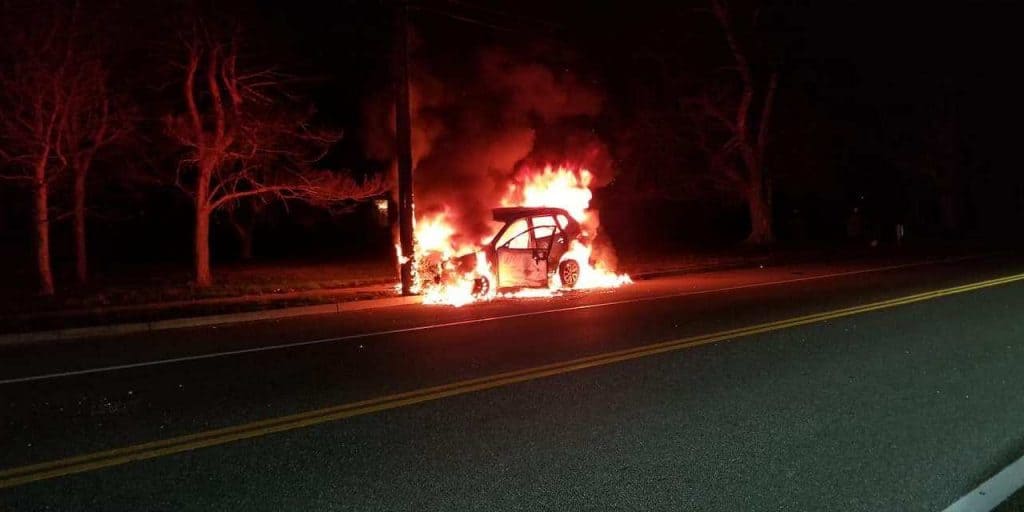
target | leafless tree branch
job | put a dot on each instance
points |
(246, 138)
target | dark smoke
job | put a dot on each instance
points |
(505, 112)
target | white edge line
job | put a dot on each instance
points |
(143, 364)
(201, 321)
(992, 492)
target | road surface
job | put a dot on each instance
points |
(758, 389)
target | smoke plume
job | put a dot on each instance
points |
(474, 131)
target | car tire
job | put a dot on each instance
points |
(569, 273)
(481, 286)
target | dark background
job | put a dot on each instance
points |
(872, 97)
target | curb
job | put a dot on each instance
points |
(273, 314)
(204, 321)
(231, 300)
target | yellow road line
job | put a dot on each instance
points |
(103, 459)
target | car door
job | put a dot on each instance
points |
(549, 240)
(540, 246)
(520, 261)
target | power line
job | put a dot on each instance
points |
(551, 25)
(466, 19)
(546, 27)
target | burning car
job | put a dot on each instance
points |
(531, 250)
(544, 244)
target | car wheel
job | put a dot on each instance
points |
(481, 287)
(569, 273)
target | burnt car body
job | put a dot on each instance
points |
(527, 252)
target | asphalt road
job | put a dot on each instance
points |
(899, 408)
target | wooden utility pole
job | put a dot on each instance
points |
(403, 146)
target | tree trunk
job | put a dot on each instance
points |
(202, 246)
(760, 208)
(42, 225)
(202, 240)
(81, 248)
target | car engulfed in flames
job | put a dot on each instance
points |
(544, 245)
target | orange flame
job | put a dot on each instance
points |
(559, 187)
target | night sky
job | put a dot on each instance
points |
(871, 97)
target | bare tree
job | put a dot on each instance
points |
(56, 114)
(35, 101)
(735, 119)
(92, 123)
(244, 139)
(329, 190)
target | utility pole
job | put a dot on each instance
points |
(403, 146)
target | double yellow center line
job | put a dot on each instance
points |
(103, 459)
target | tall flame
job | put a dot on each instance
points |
(560, 187)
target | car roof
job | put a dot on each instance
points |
(512, 213)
